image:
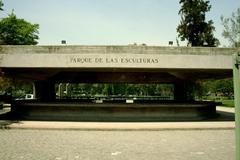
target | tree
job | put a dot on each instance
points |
(193, 27)
(221, 87)
(1, 5)
(232, 28)
(5, 85)
(14, 31)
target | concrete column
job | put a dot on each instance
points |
(60, 90)
(44, 90)
(63, 90)
(183, 91)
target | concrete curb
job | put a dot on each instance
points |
(122, 126)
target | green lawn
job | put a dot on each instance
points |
(226, 103)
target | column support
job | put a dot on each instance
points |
(236, 80)
(44, 90)
(183, 91)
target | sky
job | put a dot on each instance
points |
(111, 22)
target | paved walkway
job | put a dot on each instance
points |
(226, 109)
(117, 125)
(41, 144)
(48, 140)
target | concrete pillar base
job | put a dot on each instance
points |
(183, 91)
(44, 90)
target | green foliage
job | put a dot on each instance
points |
(226, 102)
(14, 31)
(193, 27)
(14, 88)
(216, 88)
(224, 86)
(232, 28)
(121, 89)
(5, 85)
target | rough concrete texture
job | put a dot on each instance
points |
(117, 145)
(115, 112)
(130, 49)
(170, 63)
(116, 57)
(103, 126)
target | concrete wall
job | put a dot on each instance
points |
(115, 57)
(130, 49)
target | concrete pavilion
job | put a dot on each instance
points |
(181, 66)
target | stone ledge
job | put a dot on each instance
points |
(129, 49)
(113, 111)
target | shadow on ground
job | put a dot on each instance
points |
(7, 118)
(224, 116)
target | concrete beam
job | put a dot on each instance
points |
(47, 62)
(115, 57)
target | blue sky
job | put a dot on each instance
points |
(111, 22)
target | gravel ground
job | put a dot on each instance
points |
(117, 145)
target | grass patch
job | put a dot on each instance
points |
(226, 103)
